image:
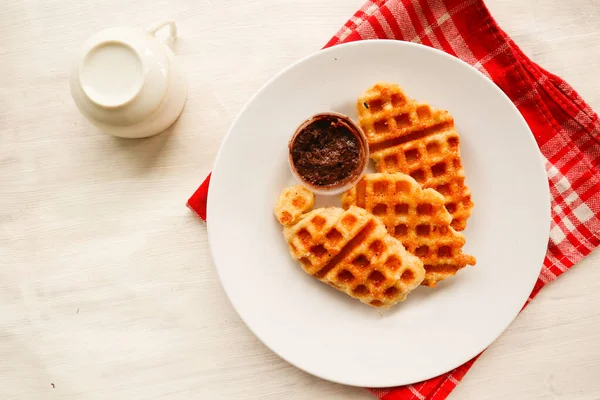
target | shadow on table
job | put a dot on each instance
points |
(145, 153)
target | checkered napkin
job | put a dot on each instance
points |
(565, 128)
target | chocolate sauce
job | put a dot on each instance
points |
(327, 151)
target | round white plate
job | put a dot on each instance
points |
(323, 331)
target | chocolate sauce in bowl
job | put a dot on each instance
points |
(328, 151)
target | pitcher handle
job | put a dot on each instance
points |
(172, 31)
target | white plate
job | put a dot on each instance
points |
(323, 331)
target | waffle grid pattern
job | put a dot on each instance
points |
(405, 136)
(352, 252)
(417, 218)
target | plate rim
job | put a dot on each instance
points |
(400, 44)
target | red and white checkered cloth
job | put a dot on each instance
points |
(565, 127)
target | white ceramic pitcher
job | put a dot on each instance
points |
(127, 82)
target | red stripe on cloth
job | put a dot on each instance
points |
(376, 25)
(422, 15)
(197, 203)
(413, 14)
(444, 12)
(392, 21)
(385, 25)
(365, 12)
(400, 14)
(564, 126)
(437, 16)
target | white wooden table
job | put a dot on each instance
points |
(107, 290)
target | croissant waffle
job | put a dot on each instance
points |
(292, 203)
(410, 137)
(352, 252)
(416, 217)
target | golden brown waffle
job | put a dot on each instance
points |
(410, 137)
(416, 217)
(352, 252)
(292, 203)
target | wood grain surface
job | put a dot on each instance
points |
(107, 290)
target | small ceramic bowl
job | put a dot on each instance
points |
(358, 169)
